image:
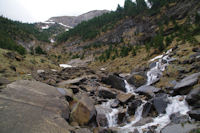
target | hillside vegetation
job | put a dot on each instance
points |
(13, 31)
(92, 28)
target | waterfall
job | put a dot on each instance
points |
(155, 73)
(129, 88)
(112, 115)
(175, 104)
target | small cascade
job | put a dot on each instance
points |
(138, 116)
(112, 114)
(176, 104)
(129, 88)
(155, 73)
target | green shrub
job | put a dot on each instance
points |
(39, 50)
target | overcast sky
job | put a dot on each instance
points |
(41, 10)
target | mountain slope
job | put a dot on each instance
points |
(120, 33)
(14, 33)
(72, 21)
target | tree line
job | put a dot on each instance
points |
(10, 31)
(92, 28)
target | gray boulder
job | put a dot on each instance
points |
(195, 114)
(83, 112)
(179, 128)
(177, 118)
(30, 107)
(148, 107)
(160, 103)
(133, 105)
(4, 81)
(82, 130)
(115, 81)
(137, 79)
(101, 116)
(193, 98)
(124, 98)
(148, 90)
(184, 86)
(105, 93)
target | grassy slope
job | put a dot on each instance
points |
(24, 67)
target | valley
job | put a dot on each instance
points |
(132, 70)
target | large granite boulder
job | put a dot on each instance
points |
(184, 86)
(30, 107)
(83, 111)
(115, 81)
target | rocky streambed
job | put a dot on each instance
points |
(80, 100)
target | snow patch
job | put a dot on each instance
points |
(65, 65)
(45, 27)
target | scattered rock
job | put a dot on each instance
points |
(115, 104)
(101, 116)
(13, 68)
(143, 121)
(152, 65)
(74, 124)
(121, 116)
(105, 93)
(88, 88)
(179, 128)
(82, 130)
(84, 111)
(102, 130)
(102, 120)
(177, 118)
(137, 79)
(50, 82)
(4, 81)
(193, 98)
(195, 114)
(76, 81)
(68, 95)
(133, 105)
(75, 89)
(160, 103)
(115, 81)
(13, 55)
(196, 49)
(147, 90)
(184, 86)
(124, 98)
(148, 107)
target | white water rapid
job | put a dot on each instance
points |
(155, 72)
(176, 104)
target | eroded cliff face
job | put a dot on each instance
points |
(142, 28)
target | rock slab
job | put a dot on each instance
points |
(30, 107)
